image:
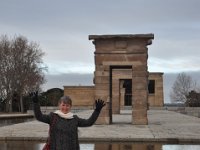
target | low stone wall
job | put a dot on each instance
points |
(191, 111)
(48, 109)
(9, 119)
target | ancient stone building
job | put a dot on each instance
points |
(121, 78)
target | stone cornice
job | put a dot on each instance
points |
(95, 37)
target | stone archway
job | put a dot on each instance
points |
(117, 52)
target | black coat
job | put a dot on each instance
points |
(64, 133)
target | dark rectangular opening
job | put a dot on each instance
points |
(151, 86)
(128, 92)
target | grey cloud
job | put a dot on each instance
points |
(73, 13)
(62, 27)
(172, 49)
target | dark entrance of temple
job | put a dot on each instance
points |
(128, 92)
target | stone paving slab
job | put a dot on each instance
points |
(164, 126)
(172, 126)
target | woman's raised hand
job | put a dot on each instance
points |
(99, 104)
(34, 96)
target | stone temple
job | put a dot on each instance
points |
(121, 78)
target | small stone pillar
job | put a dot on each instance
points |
(122, 94)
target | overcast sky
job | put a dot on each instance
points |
(62, 27)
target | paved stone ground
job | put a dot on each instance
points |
(164, 126)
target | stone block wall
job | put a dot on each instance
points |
(81, 95)
(156, 99)
(191, 111)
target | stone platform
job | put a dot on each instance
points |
(164, 126)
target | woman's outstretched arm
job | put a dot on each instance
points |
(36, 108)
(91, 120)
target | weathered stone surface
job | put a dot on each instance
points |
(101, 79)
(80, 95)
(157, 98)
(101, 73)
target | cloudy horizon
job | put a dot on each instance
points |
(77, 79)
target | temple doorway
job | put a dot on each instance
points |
(127, 85)
(120, 94)
(123, 116)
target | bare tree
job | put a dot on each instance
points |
(181, 88)
(21, 68)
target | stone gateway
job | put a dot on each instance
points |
(121, 78)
